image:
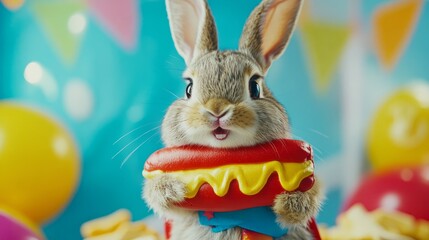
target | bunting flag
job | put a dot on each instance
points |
(12, 4)
(58, 20)
(324, 10)
(394, 24)
(120, 18)
(324, 44)
(304, 14)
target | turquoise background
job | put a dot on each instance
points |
(146, 80)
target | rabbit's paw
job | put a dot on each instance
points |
(296, 208)
(162, 192)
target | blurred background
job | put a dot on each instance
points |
(97, 76)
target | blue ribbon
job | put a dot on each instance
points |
(260, 219)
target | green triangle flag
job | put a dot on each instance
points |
(324, 44)
(55, 18)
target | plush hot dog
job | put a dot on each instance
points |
(238, 178)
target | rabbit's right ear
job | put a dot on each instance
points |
(268, 29)
(192, 27)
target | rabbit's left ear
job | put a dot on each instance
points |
(192, 27)
(268, 29)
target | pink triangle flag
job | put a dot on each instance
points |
(120, 18)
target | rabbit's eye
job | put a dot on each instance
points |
(254, 88)
(189, 90)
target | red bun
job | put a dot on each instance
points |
(196, 157)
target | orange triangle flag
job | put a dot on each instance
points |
(12, 4)
(393, 27)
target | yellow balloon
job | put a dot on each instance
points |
(39, 163)
(399, 133)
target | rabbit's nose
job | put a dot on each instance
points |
(220, 115)
(218, 107)
(219, 120)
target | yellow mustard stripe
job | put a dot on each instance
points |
(251, 177)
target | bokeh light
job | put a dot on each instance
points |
(60, 146)
(135, 113)
(406, 174)
(33, 72)
(77, 23)
(389, 202)
(425, 174)
(78, 99)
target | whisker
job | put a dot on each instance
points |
(318, 157)
(131, 153)
(294, 136)
(135, 129)
(174, 63)
(264, 138)
(283, 144)
(319, 133)
(274, 149)
(137, 138)
(177, 97)
(313, 131)
(317, 150)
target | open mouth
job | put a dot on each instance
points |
(220, 133)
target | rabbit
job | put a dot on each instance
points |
(227, 104)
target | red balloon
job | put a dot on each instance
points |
(405, 190)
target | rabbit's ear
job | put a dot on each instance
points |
(192, 27)
(268, 29)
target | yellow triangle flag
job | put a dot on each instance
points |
(62, 22)
(393, 26)
(324, 44)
